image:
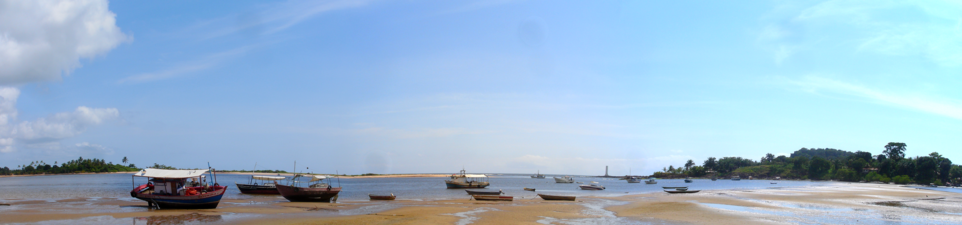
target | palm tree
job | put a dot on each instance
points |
(689, 164)
(125, 159)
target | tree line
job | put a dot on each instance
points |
(890, 165)
(79, 165)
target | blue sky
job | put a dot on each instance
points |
(491, 86)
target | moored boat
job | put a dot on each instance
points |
(736, 178)
(252, 187)
(564, 179)
(634, 180)
(538, 175)
(492, 198)
(178, 189)
(529, 189)
(314, 192)
(474, 192)
(679, 191)
(556, 197)
(382, 197)
(651, 181)
(674, 187)
(463, 180)
(593, 186)
(688, 180)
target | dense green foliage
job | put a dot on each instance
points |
(79, 165)
(831, 164)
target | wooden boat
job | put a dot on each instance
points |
(492, 198)
(529, 189)
(316, 192)
(252, 187)
(463, 180)
(556, 197)
(593, 186)
(382, 197)
(688, 180)
(736, 178)
(681, 192)
(651, 181)
(178, 189)
(774, 183)
(538, 175)
(473, 192)
(674, 187)
(564, 179)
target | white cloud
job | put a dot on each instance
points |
(44, 132)
(947, 107)
(40, 40)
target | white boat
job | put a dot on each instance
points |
(564, 179)
(633, 180)
(538, 175)
(651, 181)
(736, 178)
(593, 186)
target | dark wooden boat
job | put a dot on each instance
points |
(681, 192)
(492, 198)
(253, 187)
(473, 192)
(556, 197)
(529, 189)
(673, 187)
(178, 189)
(382, 197)
(316, 192)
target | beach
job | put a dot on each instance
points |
(837, 203)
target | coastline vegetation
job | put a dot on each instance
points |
(830, 164)
(80, 165)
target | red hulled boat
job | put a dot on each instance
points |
(314, 192)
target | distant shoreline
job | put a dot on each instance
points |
(55, 174)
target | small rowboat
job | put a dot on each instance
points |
(529, 189)
(682, 191)
(382, 197)
(473, 192)
(556, 197)
(492, 198)
(673, 187)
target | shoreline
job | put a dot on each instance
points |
(57, 174)
(874, 203)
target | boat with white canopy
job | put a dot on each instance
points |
(178, 189)
(260, 185)
(463, 180)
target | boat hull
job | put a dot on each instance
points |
(492, 198)
(632, 181)
(207, 200)
(563, 181)
(556, 197)
(257, 189)
(453, 185)
(651, 182)
(593, 188)
(682, 192)
(382, 197)
(470, 192)
(300, 194)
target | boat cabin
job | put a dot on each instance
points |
(172, 182)
(314, 182)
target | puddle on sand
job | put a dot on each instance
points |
(594, 207)
(191, 218)
(468, 217)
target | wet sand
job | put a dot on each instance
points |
(843, 203)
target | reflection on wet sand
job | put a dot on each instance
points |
(177, 219)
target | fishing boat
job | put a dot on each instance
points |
(674, 187)
(473, 192)
(556, 197)
(252, 187)
(382, 197)
(593, 186)
(688, 180)
(492, 198)
(564, 179)
(316, 191)
(681, 191)
(736, 178)
(651, 181)
(529, 189)
(462, 180)
(538, 175)
(178, 189)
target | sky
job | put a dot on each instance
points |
(496, 86)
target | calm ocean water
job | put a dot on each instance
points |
(356, 189)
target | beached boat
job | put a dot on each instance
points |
(674, 187)
(178, 189)
(529, 189)
(686, 191)
(252, 187)
(382, 197)
(314, 192)
(736, 178)
(463, 180)
(688, 180)
(538, 175)
(593, 186)
(651, 181)
(492, 198)
(474, 192)
(564, 179)
(556, 197)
